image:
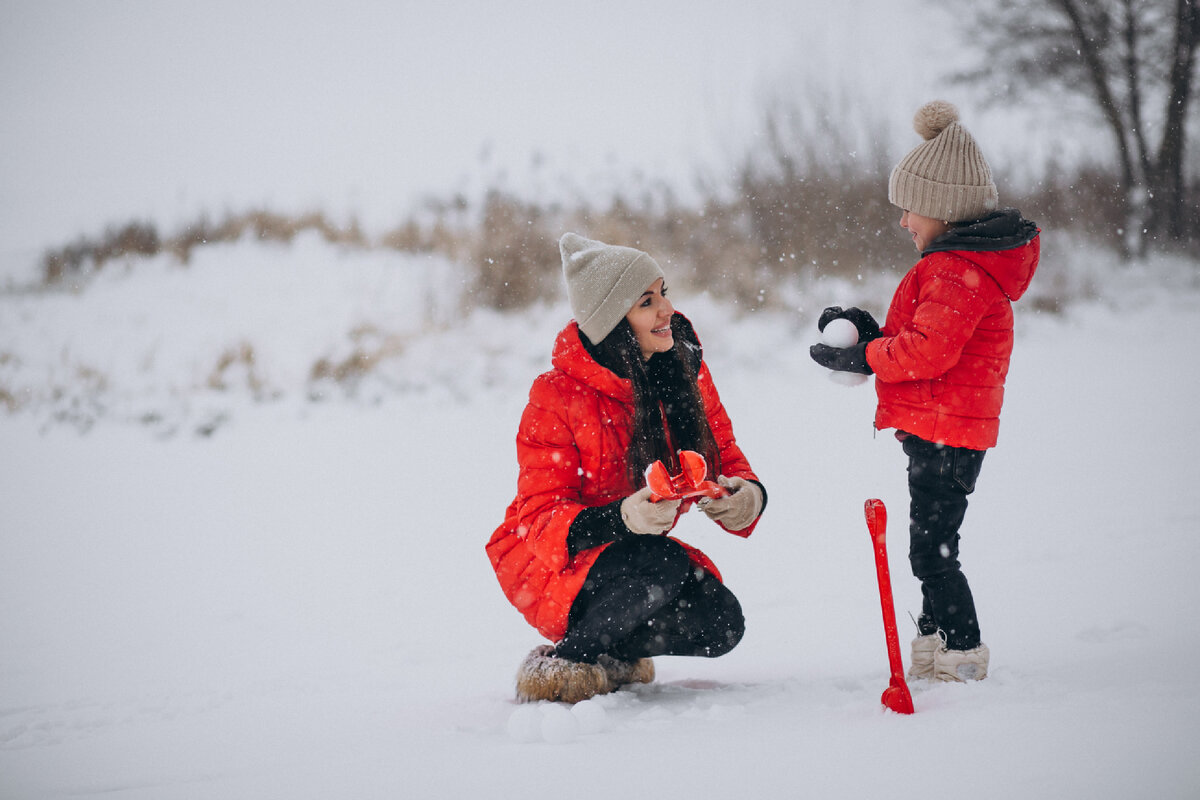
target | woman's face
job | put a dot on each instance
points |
(923, 229)
(650, 319)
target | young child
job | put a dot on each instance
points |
(940, 361)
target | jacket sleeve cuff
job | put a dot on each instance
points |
(595, 526)
(871, 345)
(762, 489)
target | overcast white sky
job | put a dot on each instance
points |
(161, 110)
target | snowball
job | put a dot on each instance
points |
(591, 716)
(525, 724)
(848, 378)
(559, 725)
(840, 332)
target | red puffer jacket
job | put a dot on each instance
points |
(571, 448)
(942, 360)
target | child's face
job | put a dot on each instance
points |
(923, 229)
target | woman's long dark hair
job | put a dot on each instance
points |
(666, 384)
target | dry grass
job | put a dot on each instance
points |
(141, 239)
(371, 346)
(236, 367)
(793, 211)
(7, 397)
(132, 239)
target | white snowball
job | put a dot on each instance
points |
(591, 716)
(559, 725)
(525, 724)
(848, 378)
(840, 333)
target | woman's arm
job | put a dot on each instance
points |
(734, 463)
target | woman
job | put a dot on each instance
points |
(581, 552)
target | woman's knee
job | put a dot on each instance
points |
(727, 638)
(727, 623)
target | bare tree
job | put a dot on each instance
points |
(1134, 62)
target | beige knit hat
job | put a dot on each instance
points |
(603, 281)
(945, 177)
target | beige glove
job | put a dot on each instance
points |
(643, 516)
(739, 508)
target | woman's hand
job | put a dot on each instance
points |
(737, 509)
(641, 515)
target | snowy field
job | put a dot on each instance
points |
(221, 577)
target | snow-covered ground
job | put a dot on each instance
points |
(239, 581)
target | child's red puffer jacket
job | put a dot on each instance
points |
(942, 359)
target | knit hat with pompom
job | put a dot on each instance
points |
(945, 177)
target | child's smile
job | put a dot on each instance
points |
(924, 230)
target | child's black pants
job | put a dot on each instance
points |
(939, 480)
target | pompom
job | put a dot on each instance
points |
(933, 118)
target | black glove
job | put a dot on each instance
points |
(868, 328)
(842, 359)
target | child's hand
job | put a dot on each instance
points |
(842, 359)
(868, 328)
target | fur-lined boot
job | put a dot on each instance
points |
(621, 673)
(545, 676)
(961, 665)
(923, 648)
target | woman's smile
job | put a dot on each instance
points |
(650, 319)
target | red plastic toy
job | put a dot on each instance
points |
(689, 483)
(896, 696)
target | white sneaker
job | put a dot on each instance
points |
(961, 665)
(921, 666)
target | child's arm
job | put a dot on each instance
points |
(953, 296)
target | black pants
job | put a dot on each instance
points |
(939, 480)
(643, 597)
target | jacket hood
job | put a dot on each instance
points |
(1003, 244)
(573, 359)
